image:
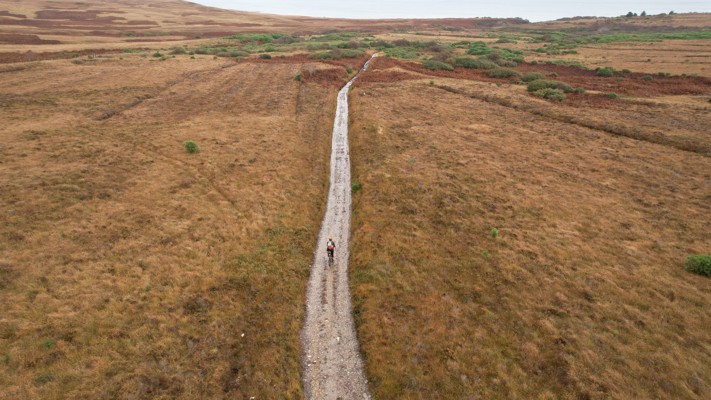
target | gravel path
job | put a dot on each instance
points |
(333, 368)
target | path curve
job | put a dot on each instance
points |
(333, 368)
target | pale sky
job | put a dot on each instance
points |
(532, 10)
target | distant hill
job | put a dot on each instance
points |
(44, 22)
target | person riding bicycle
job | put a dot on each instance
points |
(330, 248)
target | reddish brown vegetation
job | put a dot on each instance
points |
(9, 14)
(6, 58)
(631, 83)
(11, 38)
(335, 77)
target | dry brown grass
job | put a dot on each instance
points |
(132, 269)
(582, 295)
(670, 56)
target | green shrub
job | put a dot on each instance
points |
(336, 54)
(191, 147)
(402, 52)
(494, 233)
(699, 264)
(356, 186)
(647, 78)
(505, 58)
(157, 54)
(605, 72)
(552, 94)
(349, 70)
(480, 63)
(265, 56)
(612, 95)
(318, 46)
(502, 62)
(437, 65)
(233, 53)
(539, 84)
(532, 76)
(479, 48)
(579, 90)
(502, 73)
(298, 77)
(178, 50)
(78, 62)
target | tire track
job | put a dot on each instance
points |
(333, 368)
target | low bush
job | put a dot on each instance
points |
(505, 58)
(479, 48)
(612, 95)
(298, 77)
(532, 76)
(191, 147)
(437, 65)
(699, 264)
(605, 72)
(539, 84)
(356, 186)
(472, 63)
(336, 54)
(319, 46)
(233, 53)
(265, 56)
(178, 51)
(647, 78)
(402, 52)
(502, 73)
(351, 53)
(157, 54)
(552, 94)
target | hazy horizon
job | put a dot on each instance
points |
(538, 11)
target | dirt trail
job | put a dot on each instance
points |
(333, 368)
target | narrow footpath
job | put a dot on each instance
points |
(333, 368)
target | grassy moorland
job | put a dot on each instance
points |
(528, 194)
(505, 250)
(132, 268)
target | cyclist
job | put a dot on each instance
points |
(330, 248)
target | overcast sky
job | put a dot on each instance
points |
(532, 10)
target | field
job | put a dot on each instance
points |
(505, 245)
(133, 268)
(578, 293)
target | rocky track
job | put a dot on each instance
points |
(333, 368)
